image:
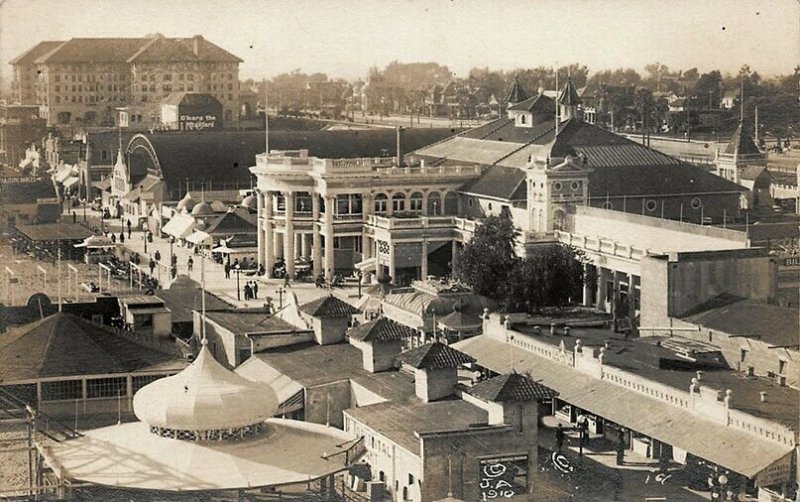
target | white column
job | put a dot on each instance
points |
(269, 234)
(367, 206)
(392, 267)
(424, 259)
(260, 229)
(587, 291)
(305, 246)
(329, 261)
(316, 238)
(288, 238)
(601, 288)
(376, 253)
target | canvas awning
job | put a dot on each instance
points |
(367, 265)
(180, 226)
(104, 184)
(72, 180)
(224, 249)
(729, 447)
(200, 237)
(63, 172)
(96, 242)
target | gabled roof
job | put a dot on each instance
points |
(540, 102)
(95, 50)
(381, 330)
(35, 52)
(497, 182)
(753, 172)
(434, 356)
(63, 345)
(328, 307)
(568, 95)
(516, 93)
(511, 387)
(742, 142)
(230, 223)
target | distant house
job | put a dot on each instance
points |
(728, 99)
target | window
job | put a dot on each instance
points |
(696, 203)
(608, 205)
(557, 186)
(106, 387)
(399, 202)
(650, 205)
(167, 77)
(410, 479)
(381, 203)
(65, 389)
(280, 202)
(575, 186)
(434, 203)
(415, 203)
(302, 202)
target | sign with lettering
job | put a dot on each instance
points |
(503, 477)
(197, 122)
(777, 472)
(791, 261)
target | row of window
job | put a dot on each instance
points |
(90, 78)
(91, 99)
(353, 203)
(91, 88)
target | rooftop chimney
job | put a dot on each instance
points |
(751, 371)
(763, 396)
(699, 375)
(196, 40)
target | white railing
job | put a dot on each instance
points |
(602, 246)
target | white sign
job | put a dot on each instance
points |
(123, 118)
(777, 472)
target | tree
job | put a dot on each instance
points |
(487, 260)
(707, 93)
(549, 276)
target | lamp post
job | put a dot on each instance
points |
(723, 481)
(280, 292)
(237, 268)
(359, 274)
(171, 253)
(144, 236)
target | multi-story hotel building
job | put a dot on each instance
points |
(83, 80)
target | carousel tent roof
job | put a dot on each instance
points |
(204, 396)
(458, 321)
(128, 455)
(202, 209)
(250, 202)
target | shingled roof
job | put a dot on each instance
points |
(434, 356)
(328, 307)
(497, 182)
(569, 96)
(516, 94)
(511, 387)
(742, 142)
(26, 192)
(35, 52)
(381, 330)
(64, 345)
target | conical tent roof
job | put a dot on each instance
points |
(204, 396)
(516, 93)
(187, 203)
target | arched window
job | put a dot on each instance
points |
(302, 202)
(398, 202)
(451, 204)
(558, 219)
(434, 203)
(381, 203)
(415, 202)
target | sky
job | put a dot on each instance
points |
(344, 38)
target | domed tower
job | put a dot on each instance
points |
(187, 203)
(202, 209)
(250, 203)
(205, 401)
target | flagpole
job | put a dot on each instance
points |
(266, 119)
(203, 297)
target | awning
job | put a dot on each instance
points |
(72, 180)
(179, 226)
(224, 249)
(200, 237)
(63, 173)
(96, 242)
(103, 184)
(736, 450)
(367, 265)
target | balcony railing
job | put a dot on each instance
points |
(389, 222)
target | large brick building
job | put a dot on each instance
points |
(81, 81)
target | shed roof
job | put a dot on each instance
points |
(55, 232)
(26, 192)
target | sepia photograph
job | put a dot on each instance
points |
(407, 251)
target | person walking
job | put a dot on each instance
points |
(152, 265)
(190, 264)
(129, 228)
(173, 271)
(113, 239)
(255, 290)
(158, 255)
(286, 283)
(559, 438)
(621, 449)
(122, 237)
(227, 270)
(247, 291)
(74, 217)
